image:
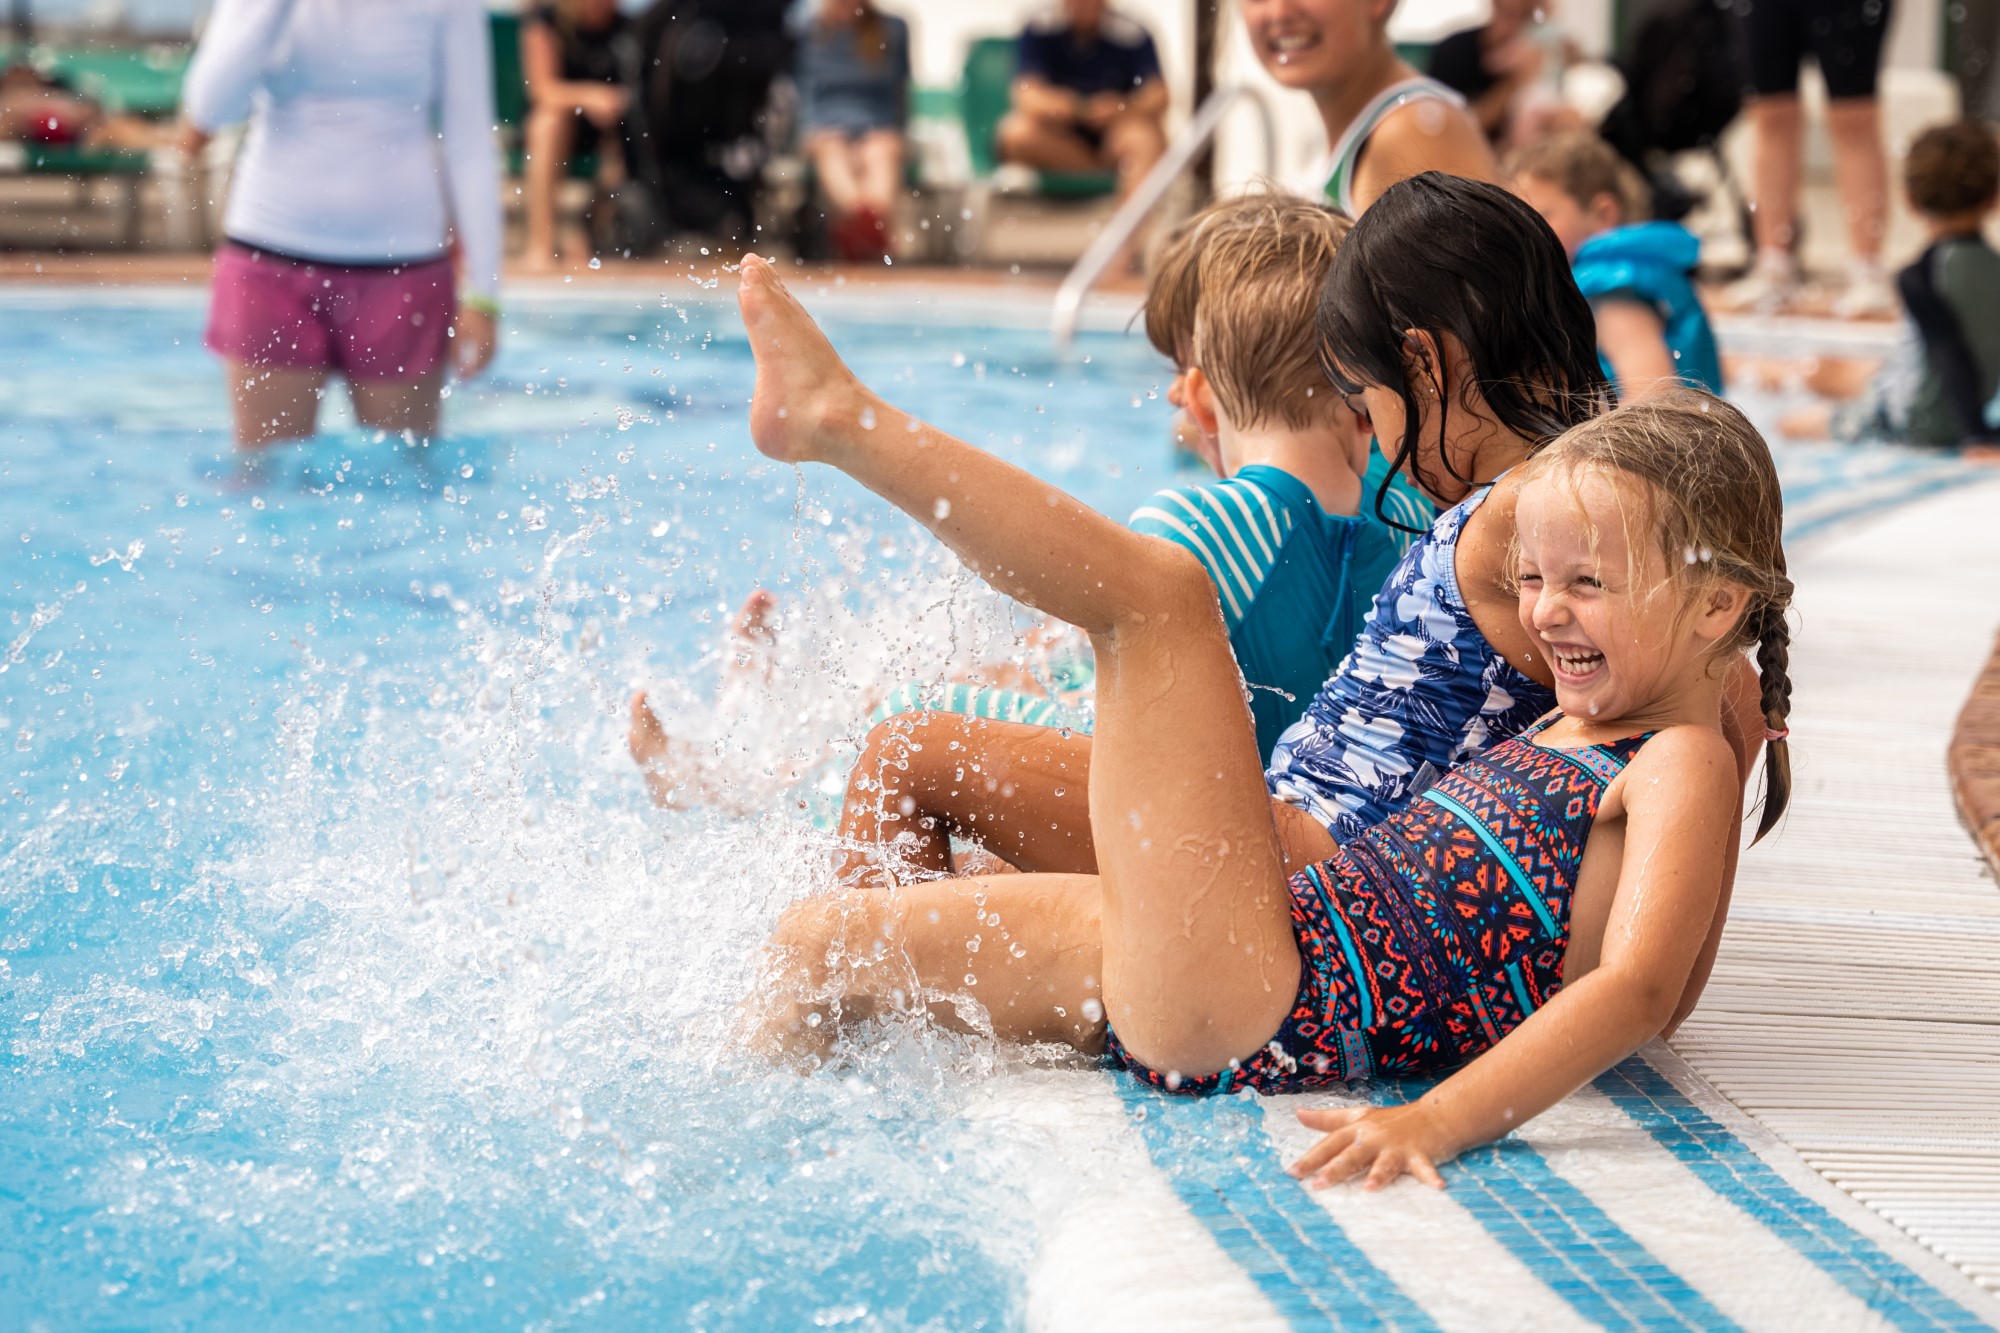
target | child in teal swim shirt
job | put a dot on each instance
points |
(1651, 329)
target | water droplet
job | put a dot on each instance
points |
(942, 509)
(868, 418)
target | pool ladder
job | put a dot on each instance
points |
(1190, 141)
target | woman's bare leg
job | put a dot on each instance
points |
(879, 161)
(833, 163)
(1015, 956)
(549, 133)
(273, 403)
(1861, 168)
(1200, 965)
(1779, 125)
(399, 406)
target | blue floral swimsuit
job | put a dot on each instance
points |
(1421, 689)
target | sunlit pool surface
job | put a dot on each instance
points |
(345, 972)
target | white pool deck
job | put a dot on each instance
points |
(1855, 1008)
(1820, 1147)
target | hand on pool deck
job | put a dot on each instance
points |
(1376, 1143)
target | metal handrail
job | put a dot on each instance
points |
(1200, 129)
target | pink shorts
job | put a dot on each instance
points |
(364, 322)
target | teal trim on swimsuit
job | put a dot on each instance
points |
(1507, 861)
(1354, 967)
(1520, 985)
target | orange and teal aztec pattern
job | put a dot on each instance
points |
(1438, 931)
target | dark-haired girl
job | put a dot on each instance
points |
(1450, 312)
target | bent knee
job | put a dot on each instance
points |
(1182, 588)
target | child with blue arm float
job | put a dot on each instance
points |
(1192, 957)
(1637, 275)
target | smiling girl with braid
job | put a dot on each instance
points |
(1530, 918)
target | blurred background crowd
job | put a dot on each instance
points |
(366, 172)
(1001, 133)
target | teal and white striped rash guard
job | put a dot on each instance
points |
(1294, 581)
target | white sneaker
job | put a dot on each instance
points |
(1771, 284)
(1869, 294)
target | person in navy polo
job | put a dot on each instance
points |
(1088, 95)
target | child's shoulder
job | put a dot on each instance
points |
(1236, 519)
(1680, 763)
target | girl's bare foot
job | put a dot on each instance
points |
(756, 624)
(652, 751)
(807, 402)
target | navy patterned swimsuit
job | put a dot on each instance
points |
(1421, 689)
(1434, 934)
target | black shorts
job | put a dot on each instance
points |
(1844, 36)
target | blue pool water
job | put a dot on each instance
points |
(345, 972)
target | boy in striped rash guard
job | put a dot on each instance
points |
(1288, 535)
(1295, 567)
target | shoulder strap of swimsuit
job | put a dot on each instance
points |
(1340, 162)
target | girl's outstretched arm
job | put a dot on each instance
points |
(1680, 796)
(1025, 537)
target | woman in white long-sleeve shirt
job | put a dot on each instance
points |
(370, 147)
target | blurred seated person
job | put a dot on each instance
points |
(1941, 384)
(1088, 95)
(577, 100)
(38, 109)
(853, 74)
(1509, 71)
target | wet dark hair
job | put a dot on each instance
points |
(1445, 255)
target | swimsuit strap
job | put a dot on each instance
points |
(1339, 185)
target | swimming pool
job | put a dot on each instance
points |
(345, 972)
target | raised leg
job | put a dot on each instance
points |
(1200, 965)
(1044, 145)
(271, 404)
(1133, 143)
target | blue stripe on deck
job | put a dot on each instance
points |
(1564, 1239)
(1726, 1165)
(1214, 1153)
